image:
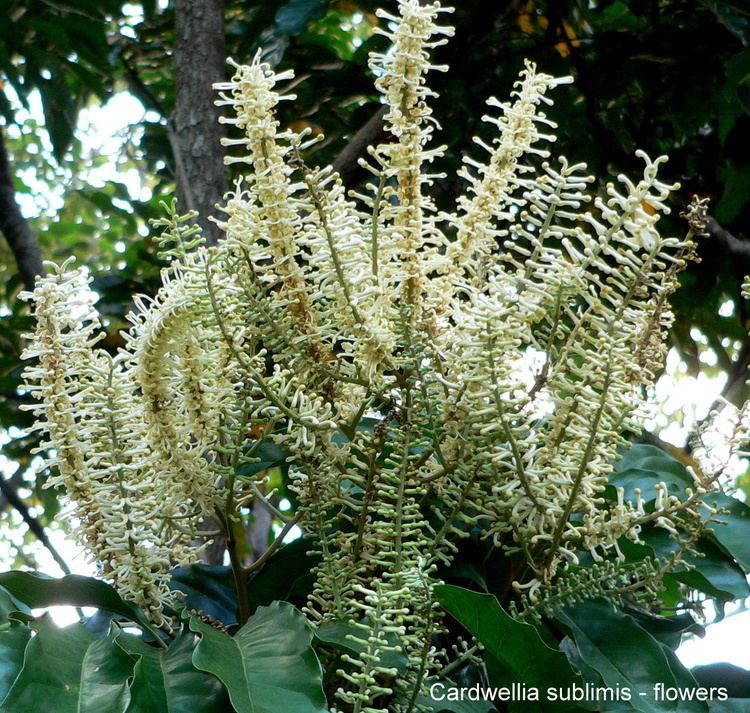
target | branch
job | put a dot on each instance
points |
(261, 561)
(735, 246)
(10, 494)
(346, 163)
(14, 226)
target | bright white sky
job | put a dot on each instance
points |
(681, 400)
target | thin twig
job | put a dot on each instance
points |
(261, 561)
(15, 500)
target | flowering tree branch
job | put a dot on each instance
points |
(427, 375)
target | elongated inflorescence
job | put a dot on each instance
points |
(432, 376)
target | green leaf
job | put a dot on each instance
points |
(736, 191)
(167, 681)
(39, 590)
(105, 677)
(294, 16)
(9, 604)
(733, 705)
(734, 679)
(714, 574)
(625, 655)
(209, 589)
(268, 666)
(13, 641)
(644, 466)
(516, 645)
(287, 576)
(667, 630)
(731, 527)
(59, 116)
(67, 671)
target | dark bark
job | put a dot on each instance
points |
(370, 134)
(260, 529)
(199, 61)
(14, 227)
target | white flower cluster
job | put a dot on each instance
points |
(382, 342)
(97, 437)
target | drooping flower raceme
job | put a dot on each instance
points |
(96, 434)
(386, 346)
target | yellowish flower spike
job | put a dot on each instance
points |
(97, 437)
(430, 374)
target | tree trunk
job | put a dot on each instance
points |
(14, 227)
(199, 61)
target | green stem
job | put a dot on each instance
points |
(367, 498)
(557, 537)
(375, 213)
(235, 560)
(517, 457)
(273, 546)
(463, 658)
(252, 371)
(443, 531)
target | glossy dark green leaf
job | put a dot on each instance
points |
(714, 573)
(268, 666)
(731, 527)
(287, 576)
(667, 630)
(735, 680)
(13, 641)
(516, 645)
(67, 671)
(99, 622)
(167, 681)
(39, 590)
(105, 677)
(625, 655)
(208, 589)
(644, 466)
(732, 705)
(10, 604)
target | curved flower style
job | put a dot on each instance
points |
(430, 374)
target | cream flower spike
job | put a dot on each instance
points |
(97, 440)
